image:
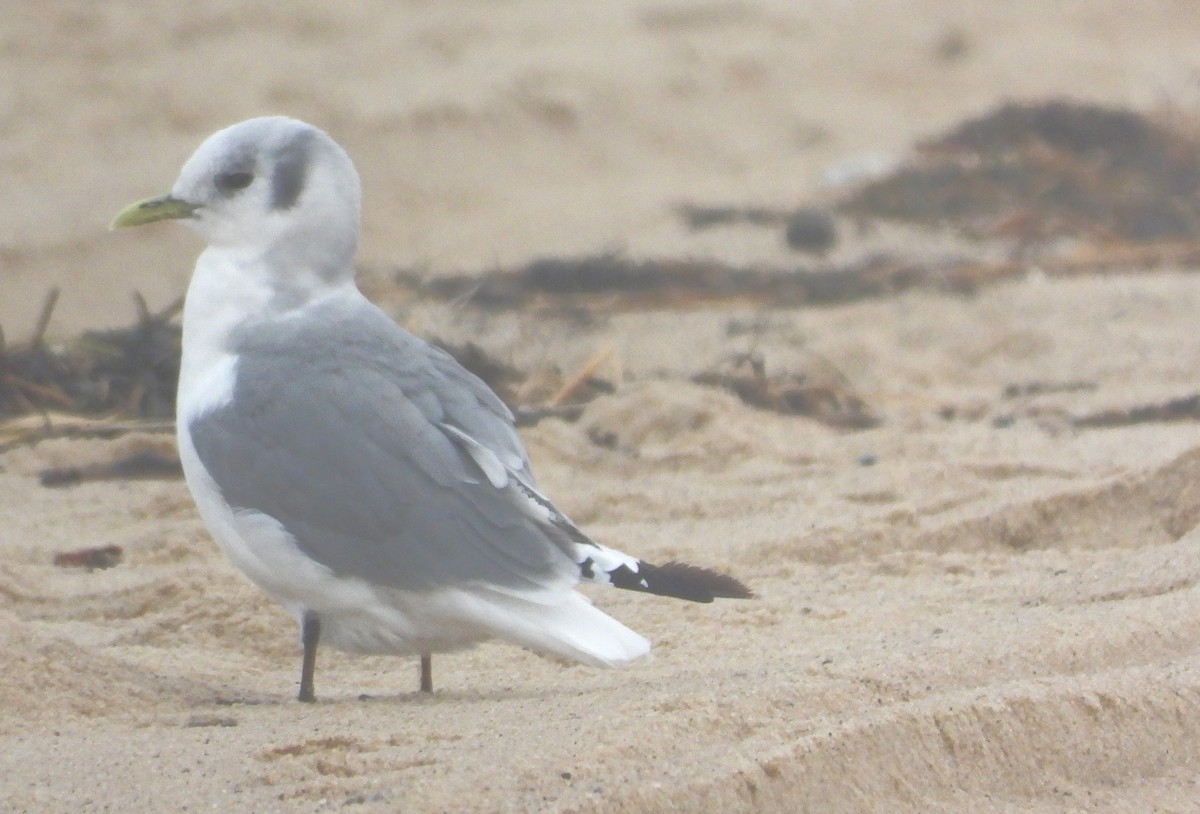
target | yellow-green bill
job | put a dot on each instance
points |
(150, 210)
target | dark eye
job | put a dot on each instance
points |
(230, 182)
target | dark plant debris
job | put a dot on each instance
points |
(1037, 388)
(1185, 408)
(142, 465)
(93, 558)
(1054, 168)
(129, 371)
(707, 217)
(529, 416)
(823, 394)
(201, 719)
(612, 282)
(19, 432)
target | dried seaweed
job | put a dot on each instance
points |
(142, 465)
(1185, 408)
(129, 371)
(613, 282)
(706, 217)
(1058, 168)
(822, 393)
(1039, 388)
(31, 428)
(93, 558)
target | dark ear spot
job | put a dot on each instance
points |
(228, 183)
(291, 168)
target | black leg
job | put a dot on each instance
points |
(310, 634)
(426, 672)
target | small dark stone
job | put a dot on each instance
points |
(811, 230)
(952, 45)
(870, 459)
(604, 438)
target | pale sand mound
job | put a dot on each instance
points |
(997, 615)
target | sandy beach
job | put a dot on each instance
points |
(988, 601)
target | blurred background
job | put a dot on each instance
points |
(489, 134)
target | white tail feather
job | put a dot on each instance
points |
(574, 629)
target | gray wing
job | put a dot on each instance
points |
(383, 457)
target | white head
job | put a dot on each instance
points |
(272, 190)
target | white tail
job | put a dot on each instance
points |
(573, 629)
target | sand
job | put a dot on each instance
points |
(975, 606)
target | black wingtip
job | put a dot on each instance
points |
(690, 582)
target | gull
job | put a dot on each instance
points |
(354, 472)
